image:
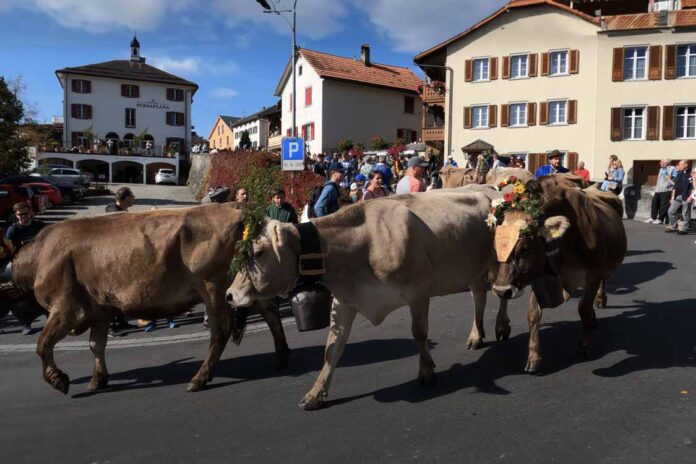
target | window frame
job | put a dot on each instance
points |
(512, 66)
(175, 94)
(526, 116)
(691, 53)
(644, 118)
(567, 62)
(81, 111)
(129, 93)
(412, 106)
(565, 112)
(646, 68)
(130, 126)
(474, 77)
(487, 113)
(82, 84)
(685, 127)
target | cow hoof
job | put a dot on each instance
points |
(311, 403)
(61, 382)
(194, 386)
(502, 333)
(474, 343)
(98, 384)
(533, 366)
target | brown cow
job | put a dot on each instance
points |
(459, 177)
(587, 228)
(149, 265)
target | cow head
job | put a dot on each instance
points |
(272, 269)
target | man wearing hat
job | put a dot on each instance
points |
(413, 181)
(327, 202)
(554, 165)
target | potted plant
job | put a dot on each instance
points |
(438, 86)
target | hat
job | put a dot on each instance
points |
(354, 186)
(335, 166)
(417, 161)
(360, 177)
(554, 154)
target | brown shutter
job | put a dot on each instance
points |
(73, 138)
(668, 116)
(169, 118)
(467, 117)
(543, 113)
(670, 62)
(574, 61)
(652, 123)
(533, 65)
(88, 111)
(493, 68)
(616, 123)
(170, 94)
(617, 69)
(545, 64)
(89, 86)
(572, 111)
(531, 114)
(506, 67)
(468, 70)
(492, 116)
(74, 85)
(503, 115)
(136, 94)
(655, 69)
(123, 90)
(535, 161)
(73, 111)
(572, 163)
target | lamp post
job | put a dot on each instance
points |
(271, 8)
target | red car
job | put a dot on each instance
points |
(52, 193)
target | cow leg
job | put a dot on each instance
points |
(419, 328)
(502, 322)
(342, 317)
(601, 300)
(587, 312)
(270, 313)
(59, 324)
(219, 319)
(534, 319)
(97, 343)
(478, 290)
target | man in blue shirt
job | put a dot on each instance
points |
(554, 165)
(327, 202)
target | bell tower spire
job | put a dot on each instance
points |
(135, 50)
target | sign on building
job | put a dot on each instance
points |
(293, 154)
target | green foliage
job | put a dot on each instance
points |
(13, 148)
(378, 143)
(344, 145)
(245, 141)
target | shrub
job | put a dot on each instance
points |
(378, 143)
(344, 145)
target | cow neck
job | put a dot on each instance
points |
(311, 263)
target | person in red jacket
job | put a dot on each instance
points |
(582, 172)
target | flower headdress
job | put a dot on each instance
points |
(243, 249)
(519, 198)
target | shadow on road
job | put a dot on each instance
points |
(629, 276)
(642, 252)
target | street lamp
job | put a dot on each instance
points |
(271, 8)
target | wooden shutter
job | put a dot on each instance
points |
(572, 111)
(655, 65)
(652, 123)
(535, 161)
(304, 132)
(75, 87)
(124, 91)
(492, 116)
(73, 111)
(88, 86)
(545, 64)
(572, 162)
(668, 117)
(288, 132)
(290, 102)
(73, 138)
(136, 94)
(543, 113)
(468, 71)
(467, 117)
(533, 65)
(617, 70)
(670, 62)
(399, 133)
(88, 111)
(616, 123)
(574, 61)
(493, 68)
(308, 96)
(506, 67)
(531, 114)
(504, 115)
(311, 131)
(169, 118)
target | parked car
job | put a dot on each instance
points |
(65, 176)
(166, 176)
(70, 192)
(52, 193)
(11, 195)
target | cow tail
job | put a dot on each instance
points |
(239, 323)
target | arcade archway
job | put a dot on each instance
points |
(127, 172)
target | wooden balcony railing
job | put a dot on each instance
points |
(432, 96)
(275, 141)
(433, 134)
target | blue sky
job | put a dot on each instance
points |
(233, 51)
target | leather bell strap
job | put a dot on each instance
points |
(311, 261)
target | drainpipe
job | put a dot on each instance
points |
(449, 105)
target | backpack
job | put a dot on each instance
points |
(313, 196)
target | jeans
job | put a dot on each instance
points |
(660, 205)
(676, 207)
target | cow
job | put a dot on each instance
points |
(378, 256)
(149, 265)
(585, 229)
(459, 177)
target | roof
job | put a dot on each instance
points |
(340, 68)
(679, 18)
(263, 114)
(514, 4)
(128, 70)
(229, 120)
(479, 145)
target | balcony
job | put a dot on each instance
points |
(433, 134)
(431, 96)
(275, 142)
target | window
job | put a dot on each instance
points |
(177, 119)
(558, 62)
(130, 91)
(635, 63)
(481, 67)
(686, 122)
(81, 86)
(519, 66)
(175, 95)
(409, 105)
(308, 131)
(407, 135)
(518, 115)
(686, 60)
(634, 123)
(479, 117)
(299, 71)
(79, 111)
(558, 112)
(130, 117)
(308, 96)
(227, 138)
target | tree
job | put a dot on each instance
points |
(245, 141)
(13, 148)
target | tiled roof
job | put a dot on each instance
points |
(229, 120)
(128, 70)
(681, 18)
(264, 113)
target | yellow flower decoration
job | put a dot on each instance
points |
(519, 188)
(247, 232)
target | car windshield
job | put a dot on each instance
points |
(166, 171)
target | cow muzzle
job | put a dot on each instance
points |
(238, 299)
(507, 292)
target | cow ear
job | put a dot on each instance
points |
(276, 233)
(554, 227)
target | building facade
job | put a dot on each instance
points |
(343, 98)
(263, 128)
(539, 75)
(221, 136)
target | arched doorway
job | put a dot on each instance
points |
(112, 140)
(99, 169)
(152, 169)
(128, 141)
(128, 172)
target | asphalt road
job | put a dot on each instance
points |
(633, 401)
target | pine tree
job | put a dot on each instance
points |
(13, 148)
(245, 141)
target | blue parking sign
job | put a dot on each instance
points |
(293, 154)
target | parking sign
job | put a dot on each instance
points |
(293, 154)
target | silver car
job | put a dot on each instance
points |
(166, 176)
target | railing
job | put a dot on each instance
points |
(155, 152)
(432, 96)
(275, 141)
(433, 134)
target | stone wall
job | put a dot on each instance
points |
(198, 176)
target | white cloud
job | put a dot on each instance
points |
(413, 27)
(224, 92)
(193, 65)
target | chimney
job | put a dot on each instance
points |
(365, 54)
